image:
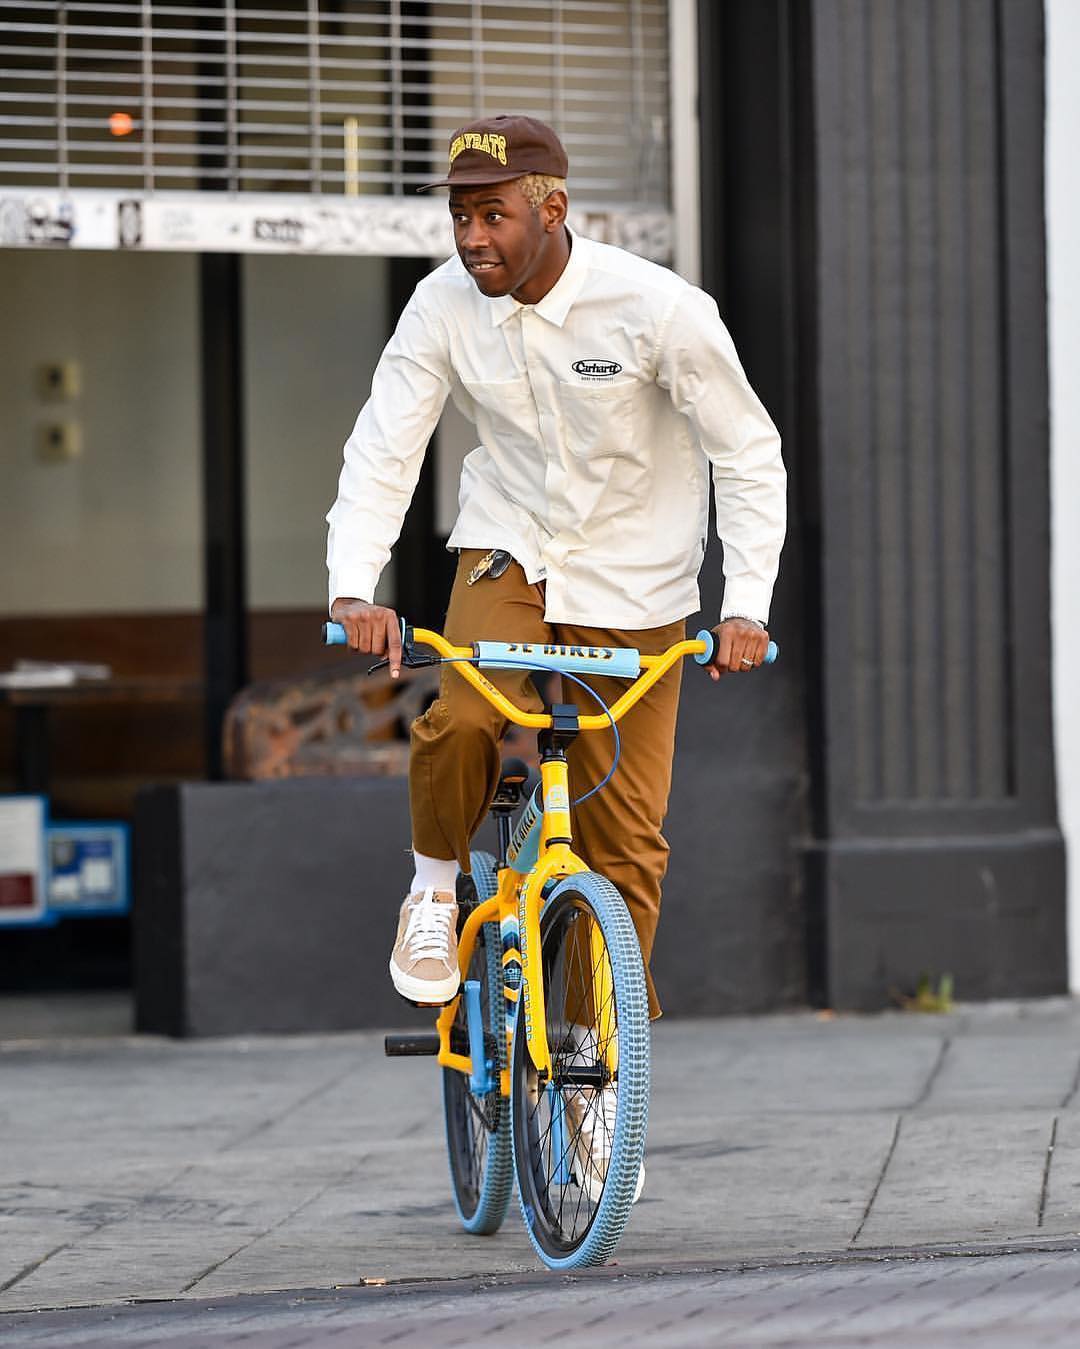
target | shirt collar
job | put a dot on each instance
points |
(557, 302)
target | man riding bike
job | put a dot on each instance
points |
(603, 388)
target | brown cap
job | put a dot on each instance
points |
(496, 149)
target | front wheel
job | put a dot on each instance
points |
(478, 1127)
(579, 1138)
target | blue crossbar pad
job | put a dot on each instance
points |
(705, 635)
(621, 661)
(333, 634)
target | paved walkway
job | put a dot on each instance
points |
(138, 1168)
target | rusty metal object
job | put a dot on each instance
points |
(325, 724)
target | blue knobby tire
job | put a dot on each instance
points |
(478, 1127)
(568, 1225)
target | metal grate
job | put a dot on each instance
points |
(333, 97)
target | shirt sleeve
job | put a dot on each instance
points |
(698, 365)
(385, 452)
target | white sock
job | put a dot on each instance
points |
(583, 1038)
(433, 873)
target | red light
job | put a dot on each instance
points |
(121, 123)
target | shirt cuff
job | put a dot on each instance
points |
(356, 583)
(746, 598)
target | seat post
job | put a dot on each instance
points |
(502, 824)
(512, 778)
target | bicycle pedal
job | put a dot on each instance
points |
(426, 1006)
(411, 1046)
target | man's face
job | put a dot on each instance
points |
(506, 244)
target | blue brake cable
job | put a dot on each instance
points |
(546, 669)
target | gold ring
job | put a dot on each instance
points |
(748, 663)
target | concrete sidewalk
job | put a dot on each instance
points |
(145, 1168)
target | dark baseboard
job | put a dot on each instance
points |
(989, 911)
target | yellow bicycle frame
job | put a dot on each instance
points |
(521, 897)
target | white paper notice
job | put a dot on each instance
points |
(22, 857)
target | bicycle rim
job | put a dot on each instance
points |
(478, 1127)
(579, 1139)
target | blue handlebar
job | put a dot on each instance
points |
(333, 634)
(705, 635)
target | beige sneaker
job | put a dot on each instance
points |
(424, 964)
(590, 1121)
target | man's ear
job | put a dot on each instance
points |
(553, 210)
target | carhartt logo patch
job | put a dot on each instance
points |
(597, 369)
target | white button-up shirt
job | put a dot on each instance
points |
(599, 410)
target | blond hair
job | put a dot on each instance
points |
(537, 187)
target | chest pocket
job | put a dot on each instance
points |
(506, 408)
(598, 419)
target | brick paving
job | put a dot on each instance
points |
(993, 1300)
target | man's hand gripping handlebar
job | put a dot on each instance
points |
(370, 628)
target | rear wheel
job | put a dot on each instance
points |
(579, 1139)
(478, 1126)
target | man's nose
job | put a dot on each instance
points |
(475, 235)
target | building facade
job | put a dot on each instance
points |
(208, 212)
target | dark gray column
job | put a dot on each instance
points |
(731, 936)
(222, 383)
(937, 845)
(423, 569)
(225, 660)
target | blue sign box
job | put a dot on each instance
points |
(89, 869)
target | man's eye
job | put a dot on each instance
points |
(494, 216)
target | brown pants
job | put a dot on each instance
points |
(455, 762)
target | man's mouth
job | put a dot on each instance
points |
(485, 266)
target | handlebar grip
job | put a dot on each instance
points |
(709, 637)
(333, 634)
